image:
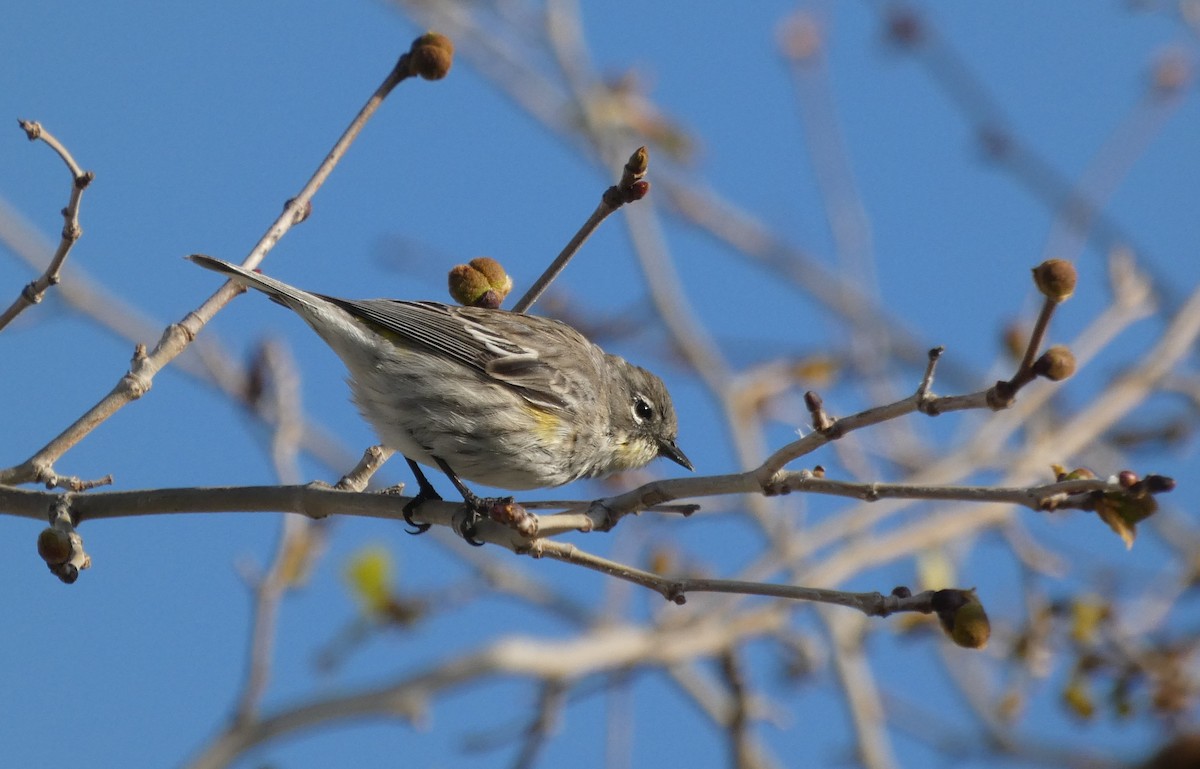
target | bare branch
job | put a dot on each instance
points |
(71, 231)
(632, 187)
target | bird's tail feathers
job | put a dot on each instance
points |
(278, 290)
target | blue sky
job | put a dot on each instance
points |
(199, 120)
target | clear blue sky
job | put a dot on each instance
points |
(200, 119)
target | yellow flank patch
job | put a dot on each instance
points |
(546, 423)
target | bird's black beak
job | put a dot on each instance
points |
(669, 450)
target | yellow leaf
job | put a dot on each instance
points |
(1087, 614)
(1078, 698)
(369, 573)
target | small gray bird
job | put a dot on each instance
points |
(500, 398)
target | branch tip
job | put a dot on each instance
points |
(32, 129)
(638, 163)
(430, 57)
(1056, 279)
(821, 421)
(923, 397)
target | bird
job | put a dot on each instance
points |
(504, 399)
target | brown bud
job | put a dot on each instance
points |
(431, 56)
(466, 284)
(639, 161)
(1055, 364)
(972, 628)
(497, 278)
(962, 617)
(638, 190)
(1078, 474)
(480, 283)
(1055, 278)
(1157, 484)
(54, 546)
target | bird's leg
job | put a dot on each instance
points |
(425, 492)
(478, 507)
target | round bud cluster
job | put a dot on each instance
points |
(54, 546)
(1055, 364)
(482, 282)
(962, 617)
(431, 56)
(1055, 278)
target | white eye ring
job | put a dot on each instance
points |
(642, 410)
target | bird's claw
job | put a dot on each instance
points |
(424, 495)
(468, 526)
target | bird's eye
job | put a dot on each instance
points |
(642, 410)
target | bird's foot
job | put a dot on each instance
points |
(425, 493)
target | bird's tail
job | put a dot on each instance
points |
(281, 292)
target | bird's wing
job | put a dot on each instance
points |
(506, 347)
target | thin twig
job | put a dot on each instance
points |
(360, 476)
(71, 231)
(872, 604)
(629, 189)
